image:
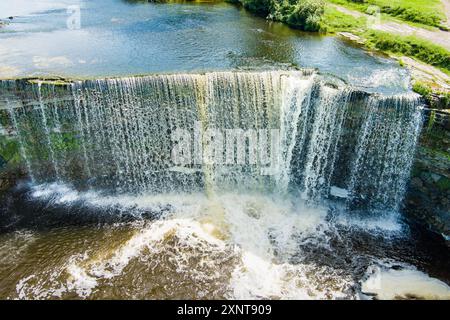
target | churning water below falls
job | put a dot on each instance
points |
(280, 184)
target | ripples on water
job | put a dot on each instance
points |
(118, 38)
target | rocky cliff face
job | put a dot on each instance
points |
(428, 196)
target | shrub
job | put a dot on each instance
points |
(422, 89)
(306, 15)
(301, 14)
(436, 99)
(262, 7)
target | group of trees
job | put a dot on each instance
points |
(302, 14)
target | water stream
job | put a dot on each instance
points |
(225, 171)
(222, 184)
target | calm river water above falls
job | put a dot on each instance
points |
(106, 213)
(117, 38)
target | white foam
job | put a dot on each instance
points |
(338, 192)
(264, 231)
(80, 281)
(255, 226)
(386, 222)
(64, 195)
(148, 238)
(403, 284)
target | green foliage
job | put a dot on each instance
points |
(334, 21)
(301, 14)
(441, 100)
(446, 100)
(414, 15)
(426, 12)
(431, 121)
(411, 46)
(435, 98)
(444, 184)
(422, 89)
(306, 15)
(64, 142)
(262, 7)
(9, 149)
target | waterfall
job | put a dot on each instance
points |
(385, 151)
(23, 153)
(277, 131)
(296, 101)
(43, 111)
(325, 135)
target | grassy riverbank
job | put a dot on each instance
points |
(432, 84)
(350, 18)
(425, 12)
(410, 46)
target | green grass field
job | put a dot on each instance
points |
(426, 12)
(410, 46)
(334, 21)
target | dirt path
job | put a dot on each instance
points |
(438, 37)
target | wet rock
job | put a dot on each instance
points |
(417, 182)
(6, 182)
(3, 163)
(428, 194)
(435, 177)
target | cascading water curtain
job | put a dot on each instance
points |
(118, 135)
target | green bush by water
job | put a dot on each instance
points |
(301, 14)
(435, 98)
(422, 89)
